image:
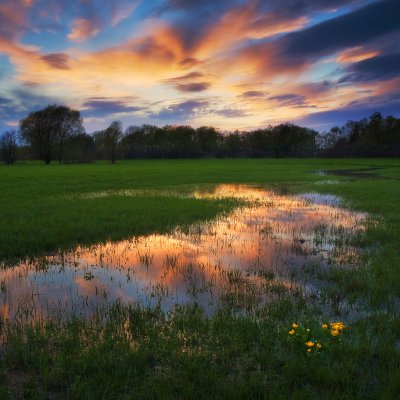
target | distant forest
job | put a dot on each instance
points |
(57, 133)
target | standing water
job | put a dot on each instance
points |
(246, 258)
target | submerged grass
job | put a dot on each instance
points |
(39, 227)
(131, 352)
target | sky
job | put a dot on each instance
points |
(232, 64)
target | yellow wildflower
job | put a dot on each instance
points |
(338, 326)
(294, 325)
(310, 344)
(319, 346)
(334, 332)
(292, 332)
(324, 326)
(308, 350)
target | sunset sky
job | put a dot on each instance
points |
(233, 64)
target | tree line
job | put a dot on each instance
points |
(375, 136)
(57, 132)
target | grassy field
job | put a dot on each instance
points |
(141, 353)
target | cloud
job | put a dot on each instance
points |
(162, 46)
(93, 16)
(193, 87)
(13, 19)
(388, 104)
(289, 8)
(232, 113)
(377, 68)
(295, 8)
(21, 101)
(253, 58)
(122, 10)
(211, 26)
(206, 35)
(57, 60)
(28, 98)
(290, 99)
(187, 77)
(251, 94)
(295, 52)
(189, 62)
(83, 29)
(104, 107)
(211, 7)
(31, 84)
(349, 30)
(181, 111)
(356, 54)
(192, 82)
(7, 109)
(4, 101)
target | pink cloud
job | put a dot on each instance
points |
(83, 29)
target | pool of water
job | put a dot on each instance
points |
(244, 259)
(361, 173)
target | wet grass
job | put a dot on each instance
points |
(131, 352)
(44, 207)
(34, 227)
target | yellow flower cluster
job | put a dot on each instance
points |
(313, 346)
(336, 328)
(313, 341)
(294, 326)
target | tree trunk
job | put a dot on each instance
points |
(113, 154)
(60, 155)
(47, 158)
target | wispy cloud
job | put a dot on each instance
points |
(181, 110)
(192, 82)
(83, 29)
(103, 107)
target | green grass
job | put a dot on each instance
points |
(42, 211)
(136, 353)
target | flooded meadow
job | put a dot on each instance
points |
(271, 246)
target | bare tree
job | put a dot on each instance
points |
(46, 128)
(8, 146)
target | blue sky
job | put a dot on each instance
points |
(233, 64)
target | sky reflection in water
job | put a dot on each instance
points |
(244, 259)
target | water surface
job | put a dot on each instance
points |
(256, 253)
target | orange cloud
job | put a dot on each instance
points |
(356, 54)
(241, 24)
